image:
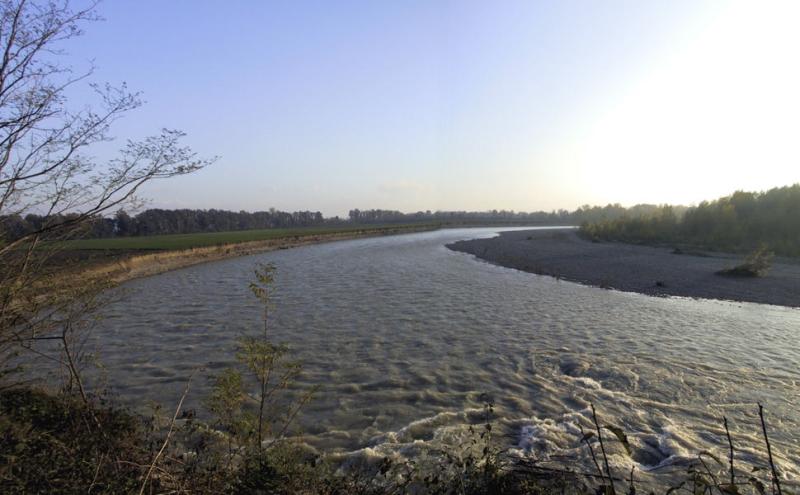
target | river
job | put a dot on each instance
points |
(407, 340)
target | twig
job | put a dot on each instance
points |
(96, 474)
(730, 444)
(71, 366)
(303, 401)
(775, 479)
(169, 434)
(591, 451)
(632, 488)
(545, 469)
(603, 449)
(711, 476)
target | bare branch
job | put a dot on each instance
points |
(46, 170)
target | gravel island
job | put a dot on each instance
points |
(656, 271)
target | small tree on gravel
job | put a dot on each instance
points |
(756, 264)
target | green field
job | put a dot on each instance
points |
(187, 241)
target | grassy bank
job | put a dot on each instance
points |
(127, 258)
(189, 241)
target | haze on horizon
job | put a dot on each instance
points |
(459, 105)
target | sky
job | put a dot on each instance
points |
(457, 105)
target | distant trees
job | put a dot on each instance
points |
(459, 217)
(593, 214)
(736, 223)
(159, 221)
(643, 225)
(739, 222)
(581, 215)
(747, 219)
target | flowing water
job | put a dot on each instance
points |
(407, 340)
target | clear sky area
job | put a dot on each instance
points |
(460, 105)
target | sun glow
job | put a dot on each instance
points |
(720, 113)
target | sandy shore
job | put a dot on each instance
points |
(633, 268)
(133, 266)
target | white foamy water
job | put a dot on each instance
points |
(407, 339)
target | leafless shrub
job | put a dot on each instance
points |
(45, 168)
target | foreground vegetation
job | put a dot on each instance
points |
(739, 223)
(57, 443)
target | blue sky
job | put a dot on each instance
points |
(458, 105)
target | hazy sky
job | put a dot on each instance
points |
(526, 105)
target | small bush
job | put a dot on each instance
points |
(56, 443)
(756, 264)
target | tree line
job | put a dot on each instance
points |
(377, 216)
(739, 222)
(160, 221)
(585, 213)
(157, 221)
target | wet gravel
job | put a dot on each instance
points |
(648, 270)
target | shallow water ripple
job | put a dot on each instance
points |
(404, 336)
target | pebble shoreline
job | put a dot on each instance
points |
(648, 270)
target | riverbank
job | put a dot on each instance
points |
(647, 270)
(125, 265)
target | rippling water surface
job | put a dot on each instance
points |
(407, 339)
